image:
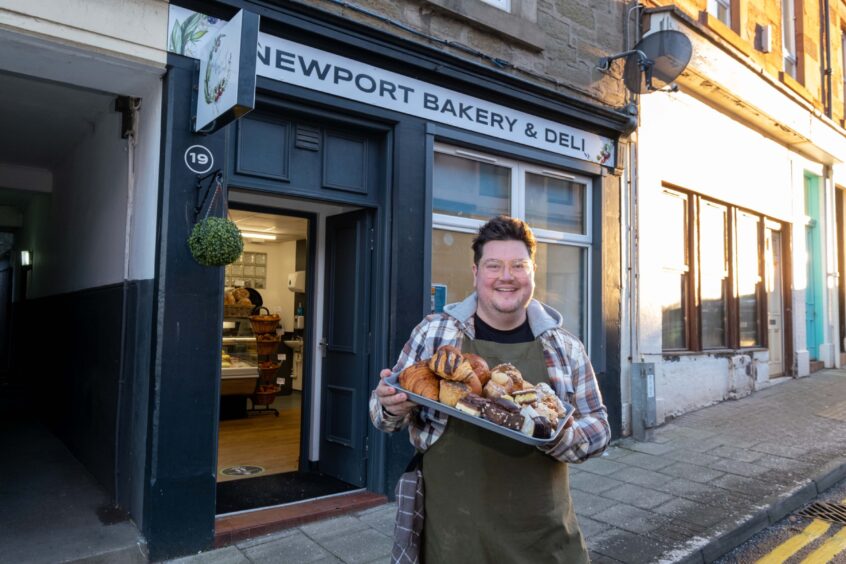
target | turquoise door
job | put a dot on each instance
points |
(813, 291)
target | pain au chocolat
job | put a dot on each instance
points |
(445, 363)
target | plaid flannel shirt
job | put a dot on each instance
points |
(570, 375)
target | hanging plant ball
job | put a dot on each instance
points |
(215, 241)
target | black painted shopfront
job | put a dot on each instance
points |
(376, 165)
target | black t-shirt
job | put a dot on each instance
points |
(521, 334)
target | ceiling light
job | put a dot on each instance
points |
(253, 235)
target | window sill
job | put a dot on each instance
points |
(798, 87)
(513, 26)
(712, 352)
(725, 32)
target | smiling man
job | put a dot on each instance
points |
(489, 498)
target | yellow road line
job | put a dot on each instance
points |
(832, 547)
(795, 543)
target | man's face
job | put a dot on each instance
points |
(504, 278)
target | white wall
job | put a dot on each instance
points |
(685, 143)
(85, 244)
(143, 214)
(281, 258)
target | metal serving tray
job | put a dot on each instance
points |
(478, 421)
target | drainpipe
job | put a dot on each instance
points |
(827, 69)
(832, 272)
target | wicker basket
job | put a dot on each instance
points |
(267, 347)
(264, 323)
(269, 374)
(264, 395)
(236, 310)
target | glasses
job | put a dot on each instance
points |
(517, 268)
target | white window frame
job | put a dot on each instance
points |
(788, 37)
(504, 5)
(714, 9)
(518, 209)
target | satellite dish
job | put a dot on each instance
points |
(655, 62)
(658, 60)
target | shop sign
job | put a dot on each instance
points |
(301, 65)
(226, 89)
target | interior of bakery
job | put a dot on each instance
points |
(265, 333)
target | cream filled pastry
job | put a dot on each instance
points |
(471, 404)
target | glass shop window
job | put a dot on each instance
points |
(711, 290)
(470, 187)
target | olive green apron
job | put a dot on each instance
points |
(490, 498)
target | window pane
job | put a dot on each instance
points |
(452, 261)
(675, 273)
(469, 188)
(673, 312)
(560, 283)
(748, 278)
(712, 274)
(555, 203)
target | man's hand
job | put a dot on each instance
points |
(394, 402)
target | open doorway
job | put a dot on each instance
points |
(267, 419)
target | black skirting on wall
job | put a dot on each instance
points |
(82, 357)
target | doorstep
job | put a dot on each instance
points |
(229, 529)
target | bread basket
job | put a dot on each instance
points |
(264, 395)
(264, 323)
(267, 346)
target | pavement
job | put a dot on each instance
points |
(700, 485)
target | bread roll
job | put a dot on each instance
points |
(445, 362)
(473, 364)
(451, 392)
(418, 379)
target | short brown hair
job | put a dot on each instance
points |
(504, 228)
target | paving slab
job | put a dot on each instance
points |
(702, 484)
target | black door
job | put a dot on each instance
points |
(346, 346)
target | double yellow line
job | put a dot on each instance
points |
(831, 548)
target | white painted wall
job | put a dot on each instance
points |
(281, 258)
(686, 143)
(85, 242)
(143, 207)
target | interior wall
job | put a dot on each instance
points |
(86, 242)
(280, 262)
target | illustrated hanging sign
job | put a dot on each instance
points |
(322, 71)
(227, 80)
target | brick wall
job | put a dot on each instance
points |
(553, 43)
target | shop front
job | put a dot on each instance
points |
(731, 284)
(357, 182)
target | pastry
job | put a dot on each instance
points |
(445, 363)
(450, 392)
(418, 379)
(503, 412)
(493, 390)
(502, 380)
(549, 414)
(471, 404)
(495, 413)
(475, 385)
(473, 364)
(527, 395)
(509, 371)
(244, 302)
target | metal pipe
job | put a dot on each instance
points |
(827, 71)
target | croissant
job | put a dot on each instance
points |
(473, 364)
(418, 379)
(445, 363)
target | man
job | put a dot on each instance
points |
(489, 498)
